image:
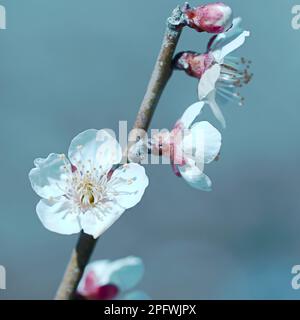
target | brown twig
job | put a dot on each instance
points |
(160, 76)
(79, 259)
(162, 71)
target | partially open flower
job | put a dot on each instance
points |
(193, 63)
(88, 192)
(110, 280)
(220, 74)
(190, 146)
(221, 82)
(211, 18)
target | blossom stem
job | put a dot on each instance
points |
(79, 259)
(160, 76)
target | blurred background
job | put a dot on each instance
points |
(66, 66)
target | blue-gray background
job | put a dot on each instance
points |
(70, 65)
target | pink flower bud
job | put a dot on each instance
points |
(193, 63)
(211, 18)
(93, 291)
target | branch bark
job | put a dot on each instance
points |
(160, 76)
(162, 71)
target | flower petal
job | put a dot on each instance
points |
(97, 220)
(96, 146)
(126, 273)
(136, 295)
(128, 184)
(123, 273)
(48, 178)
(107, 292)
(191, 114)
(195, 177)
(109, 151)
(211, 140)
(237, 42)
(223, 38)
(207, 83)
(211, 100)
(94, 276)
(57, 215)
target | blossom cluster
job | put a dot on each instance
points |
(91, 188)
(190, 145)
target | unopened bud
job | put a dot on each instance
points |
(211, 18)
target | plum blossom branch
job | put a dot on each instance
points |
(160, 76)
(92, 188)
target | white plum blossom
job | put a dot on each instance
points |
(108, 280)
(190, 146)
(225, 73)
(90, 191)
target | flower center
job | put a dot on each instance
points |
(87, 197)
(90, 191)
(234, 75)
